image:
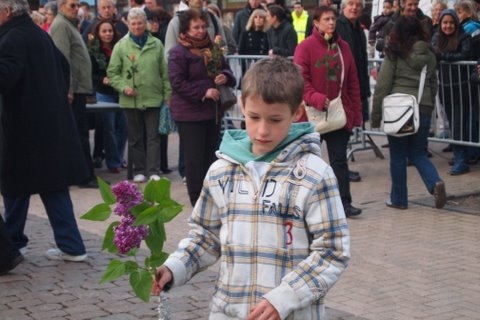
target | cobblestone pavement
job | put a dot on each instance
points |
(420, 263)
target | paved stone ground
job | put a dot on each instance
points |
(421, 263)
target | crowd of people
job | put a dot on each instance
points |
(263, 194)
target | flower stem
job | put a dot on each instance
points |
(163, 307)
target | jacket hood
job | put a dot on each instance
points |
(452, 13)
(420, 55)
(237, 145)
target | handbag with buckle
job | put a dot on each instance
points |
(334, 117)
(401, 115)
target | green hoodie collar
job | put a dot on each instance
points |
(237, 145)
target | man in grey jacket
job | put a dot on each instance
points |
(68, 40)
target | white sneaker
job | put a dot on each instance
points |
(139, 178)
(184, 180)
(23, 250)
(57, 254)
(154, 177)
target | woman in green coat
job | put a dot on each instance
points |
(138, 71)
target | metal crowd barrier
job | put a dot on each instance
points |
(441, 126)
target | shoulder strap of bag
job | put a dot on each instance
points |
(422, 83)
(343, 70)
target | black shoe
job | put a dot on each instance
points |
(166, 171)
(354, 176)
(391, 205)
(447, 148)
(11, 264)
(351, 211)
(92, 184)
(97, 162)
(429, 154)
(385, 145)
(473, 160)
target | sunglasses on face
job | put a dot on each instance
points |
(74, 5)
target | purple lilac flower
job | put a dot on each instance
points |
(127, 195)
(128, 236)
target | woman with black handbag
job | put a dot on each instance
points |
(196, 70)
(406, 55)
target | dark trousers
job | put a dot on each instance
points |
(199, 141)
(164, 152)
(79, 108)
(144, 140)
(8, 250)
(337, 154)
(60, 214)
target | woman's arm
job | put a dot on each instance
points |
(382, 88)
(115, 69)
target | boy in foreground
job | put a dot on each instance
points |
(269, 209)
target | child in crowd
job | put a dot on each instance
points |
(270, 209)
(379, 22)
(468, 19)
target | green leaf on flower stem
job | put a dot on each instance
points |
(139, 208)
(148, 216)
(132, 252)
(105, 191)
(108, 243)
(155, 261)
(115, 269)
(171, 211)
(99, 212)
(141, 282)
(154, 243)
(156, 237)
(157, 191)
(131, 266)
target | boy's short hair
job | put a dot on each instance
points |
(275, 80)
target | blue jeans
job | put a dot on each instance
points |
(411, 147)
(114, 133)
(60, 214)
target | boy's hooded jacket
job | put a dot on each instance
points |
(278, 226)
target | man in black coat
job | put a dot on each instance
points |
(349, 28)
(41, 152)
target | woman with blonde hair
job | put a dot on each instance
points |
(38, 18)
(254, 40)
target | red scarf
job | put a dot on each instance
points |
(199, 47)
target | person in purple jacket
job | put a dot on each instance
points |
(195, 99)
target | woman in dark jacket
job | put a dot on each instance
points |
(282, 38)
(41, 147)
(254, 40)
(114, 124)
(452, 44)
(195, 71)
